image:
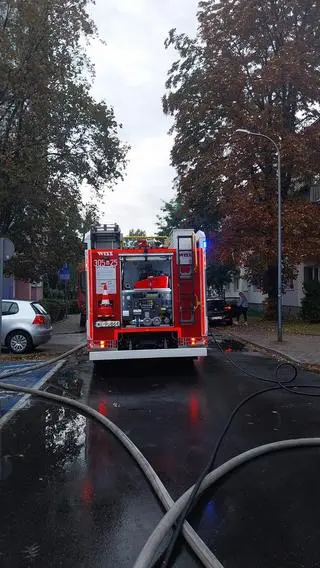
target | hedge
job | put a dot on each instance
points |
(310, 305)
(57, 308)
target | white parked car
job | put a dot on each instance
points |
(25, 325)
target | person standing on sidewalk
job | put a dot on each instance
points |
(242, 308)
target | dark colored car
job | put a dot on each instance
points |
(233, 302)
(219, 311)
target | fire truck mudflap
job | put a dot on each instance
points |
(145, 301)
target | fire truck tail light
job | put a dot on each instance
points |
(192, 341)
(103, 344)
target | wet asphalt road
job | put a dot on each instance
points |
(71, 497)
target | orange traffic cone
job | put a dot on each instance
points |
(105, 296)
(105, 306)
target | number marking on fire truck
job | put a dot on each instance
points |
(101, 262)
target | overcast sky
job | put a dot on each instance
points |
(130, 74)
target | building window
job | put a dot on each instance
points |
(312, 273)
(315, 194)
(308, 273)
(236, 284)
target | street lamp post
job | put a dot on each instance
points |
(279, 302)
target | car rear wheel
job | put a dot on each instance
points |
(19, 342)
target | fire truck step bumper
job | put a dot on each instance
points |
(102, 355)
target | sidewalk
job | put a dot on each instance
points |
(66, 334)
(69, 325)
(300, 349)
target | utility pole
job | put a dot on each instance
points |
(6, 252)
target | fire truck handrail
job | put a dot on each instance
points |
(195, 252)
(142, 237)
(133, 253)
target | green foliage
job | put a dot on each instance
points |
(171, 217)
(56, 308)
(253, 65)
(54, 136)
(90, 217)
(137, 233)
(218, 275)
(177, 214)
(310, 305)
(73, 307)
(53, 293)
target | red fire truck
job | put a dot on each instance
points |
(145, 301)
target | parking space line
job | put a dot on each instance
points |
(21, 403)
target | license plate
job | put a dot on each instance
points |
(215, 318)
(107, 324)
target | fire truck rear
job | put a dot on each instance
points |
(145, 301)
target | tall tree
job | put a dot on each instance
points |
(177, 214)
(171, 217)
(253, 65)
(90, 216)
(53, 135)
(137, 233)
(218, 275)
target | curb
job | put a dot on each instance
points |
(21, 403)
(68, 333)
(276, 353)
